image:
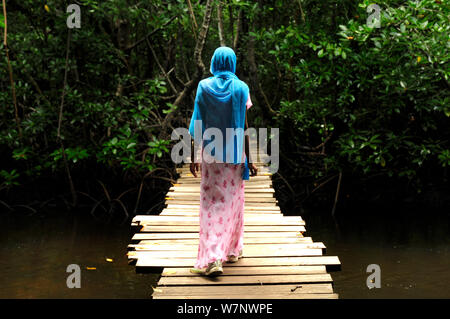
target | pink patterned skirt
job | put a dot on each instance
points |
(221, 212)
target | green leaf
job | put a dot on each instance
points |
(424, 24)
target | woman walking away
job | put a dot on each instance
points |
(221, 102)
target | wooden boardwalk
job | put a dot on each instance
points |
(279, 262)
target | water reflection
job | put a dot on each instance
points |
(412, 249)
(35, 252)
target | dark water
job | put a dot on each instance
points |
(411, 249)
(35, 252)
(411, 246)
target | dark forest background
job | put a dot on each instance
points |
(87, 113)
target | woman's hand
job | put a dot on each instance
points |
(194, 167)
(253, 169)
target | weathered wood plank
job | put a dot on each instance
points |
(190, 195)
(251, 271)
(249, 252)
(195, 182)
(240, 280)
(195, 213)
(148, 261)
(277, 220)
(195, 210)
(145, 218)
(196, 199)
(194, 235)
(196, 190)
(249, 228)
(319, 288)
(254, 241)
(249, 249)
(248, 241)
(247, 207)
(248, 204)
(258, 178)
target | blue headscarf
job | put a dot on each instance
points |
(221, 103)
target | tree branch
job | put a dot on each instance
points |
(166, 75)
(238, 30)
(254, 80)
(199, 63)
(11, 78)
(131, 46)
(193, 21)
(220, 24)
(302, 14)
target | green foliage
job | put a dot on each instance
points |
(109, 114)
(9, 178)
(346, 97)
(2, 21)
(385, 90)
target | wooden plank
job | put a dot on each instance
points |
(194, 235)
(247, 222)
(277, 220)
(240, 280)
(191, 178)
(186, 169)
(247, 207)
(252, 202)
(248, 203)
(151, 245)
(195, 213)
(251, 209)
(186, 172)
(255, 241)
(251, 271)
(251, 241)
(319, 288)
(249, 228)
(148, 261)
(267, 182)
(196, 189)
(249, 249)
(263, 177)
(249, 252)
(195, 210)
(182, 194)
(196, 200)
(254, 186)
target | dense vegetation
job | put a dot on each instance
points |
(88, 112)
